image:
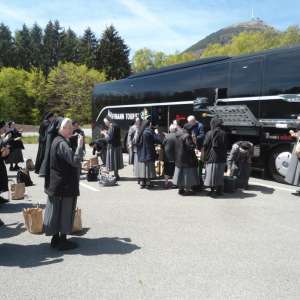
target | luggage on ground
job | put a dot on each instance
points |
(92, 174)
(230, 184)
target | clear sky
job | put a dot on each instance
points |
(166, 25)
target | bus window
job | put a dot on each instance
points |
(282, 75)
(245, 78)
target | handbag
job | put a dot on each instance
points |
(17, 191)
(77, 224)
(297, 148)
(33, 218)
(92, 174)
(24, 176)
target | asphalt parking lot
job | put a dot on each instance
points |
(155, 244)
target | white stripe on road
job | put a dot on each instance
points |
(89, 187)
(251, 182)
(273, 186)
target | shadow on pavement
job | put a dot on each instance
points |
(260, 188)
(7, 231)
(12, 207)
(28, 256)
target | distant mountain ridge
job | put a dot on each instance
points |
(223, 36)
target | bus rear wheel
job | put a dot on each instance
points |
(278, 162)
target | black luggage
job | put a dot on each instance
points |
(92, 174)
(230, 184)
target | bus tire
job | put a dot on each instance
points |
(278, 162)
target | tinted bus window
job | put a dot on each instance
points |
(245, 78)
(282, 74)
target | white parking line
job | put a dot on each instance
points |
(89, 187)
(272, 186)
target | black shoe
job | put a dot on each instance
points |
(65, 245)
(1, 223)
(189, 193)
(296, 193)
(55, 241)
(3, 200)
(181, 191)
(143, 186)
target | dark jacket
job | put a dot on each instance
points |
(18, 144)
(42, 145)
(64, 176)
(169, 144)
(114, 135)
(146, 147)
(215, 146)
(185, 156)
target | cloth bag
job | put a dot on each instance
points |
(77, 225)
(33, 218)
(17, 191)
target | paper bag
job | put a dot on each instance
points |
(77, 225)
(17, 191)
(33, 218)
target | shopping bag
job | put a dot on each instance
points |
(77, 225)
(33, 218)
(17, 191)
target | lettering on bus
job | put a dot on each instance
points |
(123, 116)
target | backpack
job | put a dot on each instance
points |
(92, 174)
(24, 176)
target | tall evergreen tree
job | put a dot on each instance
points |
(87, 48)
(23, 48)
(36, 37)
(69, 47)
(6, 47)
(52, 44)
(112, 55)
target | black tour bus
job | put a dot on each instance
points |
(257, 95)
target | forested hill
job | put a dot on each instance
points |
(223, 36)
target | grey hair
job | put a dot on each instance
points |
(191, 118)
(172, 128)
(64, 123)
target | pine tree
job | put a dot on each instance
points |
(69, 47)
(7, 48)
(23, 48)
(112, 55)
(36, 37)
(52, 44)
(87, 48)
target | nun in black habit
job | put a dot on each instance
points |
(114, 156)
(16, 147)
(48, 118)
(215, 155)
(4, 152)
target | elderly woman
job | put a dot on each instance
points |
(63, 188)
(215, 155)
(114, 156)
(16, 147)
(169, 146)
(145, 167)
(239, 162)
(185, 176)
